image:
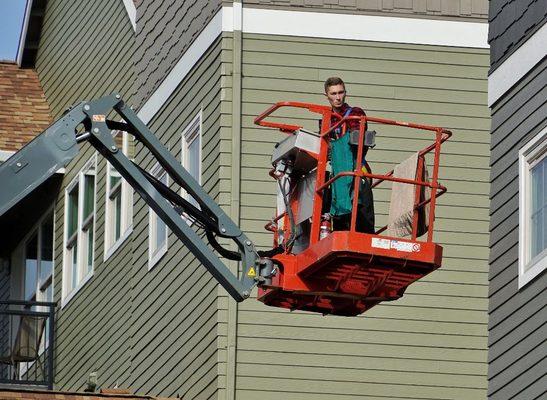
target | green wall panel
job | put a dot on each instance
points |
(433, 342)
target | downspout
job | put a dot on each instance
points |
(235, 179)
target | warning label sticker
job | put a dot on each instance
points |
(401, 246)
(251, 273)
(381, 243)
(407, 247)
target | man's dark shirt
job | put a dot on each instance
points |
(351, 125)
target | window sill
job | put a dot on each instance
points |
(534, 268)
(69, 297)
(155, 258)
(108, 253)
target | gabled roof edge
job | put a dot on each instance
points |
(23, 35)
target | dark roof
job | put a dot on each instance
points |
(24, 112)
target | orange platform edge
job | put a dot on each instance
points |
(347, 273)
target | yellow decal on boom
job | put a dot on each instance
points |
(251, 273)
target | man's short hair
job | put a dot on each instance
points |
(333, 81)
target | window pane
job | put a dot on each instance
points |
(31, 267)
(193, 161)
(89, 263)
(89, 195)
(47, 293)
(73, 211)
(115, 177)
(538, 214)
(117, 215)
(193, 158)
(161, 228)
(114, 181)
(46, 245)
(161, 233)
(74, 267)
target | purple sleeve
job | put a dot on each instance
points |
(354, 124)
(357, 111)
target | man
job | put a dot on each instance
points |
(335, 91)
(343, 156)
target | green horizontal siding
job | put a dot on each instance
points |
(85, 52)
(432, 343)
(173, 325)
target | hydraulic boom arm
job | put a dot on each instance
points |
(58, 145)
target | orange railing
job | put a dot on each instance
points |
(441, 135)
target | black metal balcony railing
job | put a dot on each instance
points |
(27, 335)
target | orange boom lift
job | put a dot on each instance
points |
(344, 272)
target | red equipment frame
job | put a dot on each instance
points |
(349, 272)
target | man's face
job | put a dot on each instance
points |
(336, 95)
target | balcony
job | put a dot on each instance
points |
(27, 335)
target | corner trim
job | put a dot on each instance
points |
(131, 12)
(514, 68)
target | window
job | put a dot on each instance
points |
(38, 271)
(191, 152)
(533, 208)
(39, 262)
(157, 230)
(79, 230)
(119, 203)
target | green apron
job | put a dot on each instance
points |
(342, 158)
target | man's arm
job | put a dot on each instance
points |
(353, 125)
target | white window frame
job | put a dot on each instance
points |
(126, 221)
(155, 254)
(529, 155)
(192, 131)
(81, 239)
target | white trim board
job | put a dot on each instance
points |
(316, 24)
(517, 65)
(366, 27)
(131, 12)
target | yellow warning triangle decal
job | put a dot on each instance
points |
(251, 273)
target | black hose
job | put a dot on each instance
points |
(204, 220)
(290, 240)
(270, 253)
(229, 254)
